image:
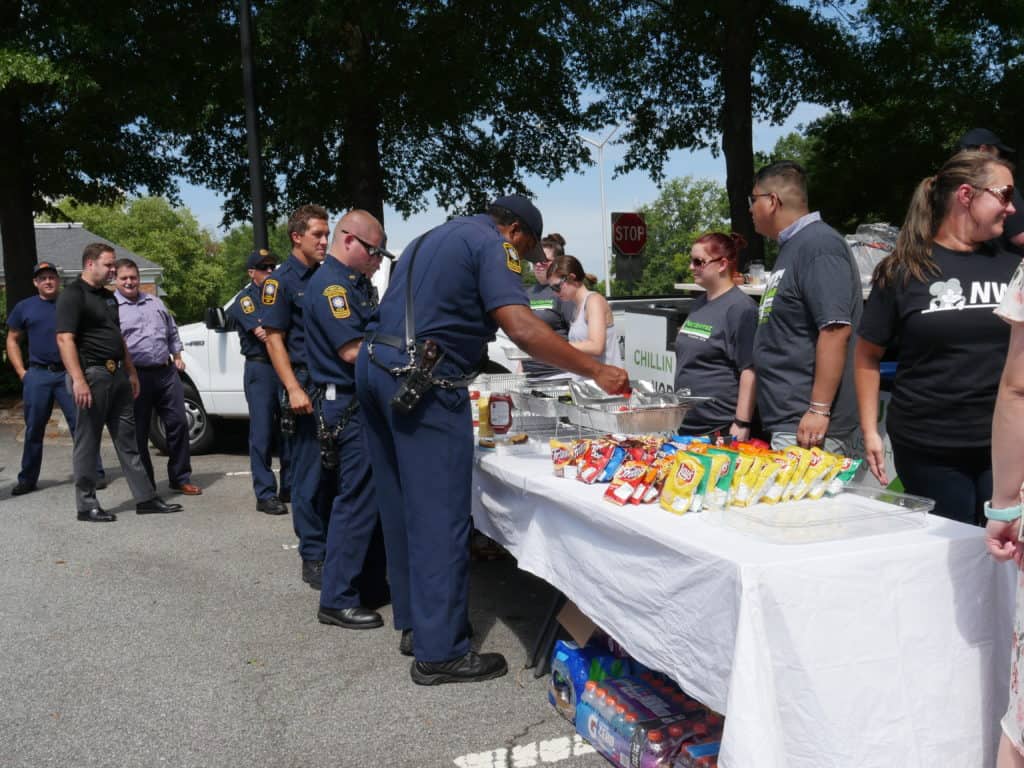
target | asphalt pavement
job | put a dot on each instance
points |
(190, 640)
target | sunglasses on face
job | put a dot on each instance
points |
(372, 250)
(557, 285)
(701, 263)
(264, 267)
(1003, 194)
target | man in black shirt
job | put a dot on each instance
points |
(103, 382)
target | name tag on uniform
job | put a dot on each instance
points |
(331, 393)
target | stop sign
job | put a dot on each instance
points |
(629, 233)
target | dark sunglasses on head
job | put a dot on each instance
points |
(372, 250)
(703, 262)
(1003, 194)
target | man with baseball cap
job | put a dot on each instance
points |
(42, 379)
(262, 387)
(985, 140)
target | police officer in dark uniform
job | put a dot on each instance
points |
(104, 383)
(466, 282)
(281, 301)
(340, 301)
(262, 387)
(42, 380)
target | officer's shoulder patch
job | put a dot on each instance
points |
(248, 306)
(512, 258)
(270, 290)
(337, 299)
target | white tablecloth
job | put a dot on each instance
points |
(888, 650)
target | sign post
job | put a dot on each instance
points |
(629, 238)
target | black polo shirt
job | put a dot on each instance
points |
(91, 314)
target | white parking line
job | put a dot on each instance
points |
(528, 755)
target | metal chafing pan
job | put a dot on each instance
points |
(646, 410)
(540, 397)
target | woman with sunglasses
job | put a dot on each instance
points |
(933, 297)
(593, 327)
(715, 345)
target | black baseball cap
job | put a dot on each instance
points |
(531, 219)
(978, 136)
(259, 257)
(45, 266)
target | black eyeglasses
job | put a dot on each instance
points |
(373, 250)
(703, 262)
(753, 197)
(557, 285)
(1003, 194)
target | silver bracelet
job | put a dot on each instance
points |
(821, 405)
(816, 412)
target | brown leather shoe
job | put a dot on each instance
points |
(187, 488)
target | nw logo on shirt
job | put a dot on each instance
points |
(949, 295)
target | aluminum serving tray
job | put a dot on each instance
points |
(541, 397)
(646, 410)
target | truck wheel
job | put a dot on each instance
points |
(201, 434)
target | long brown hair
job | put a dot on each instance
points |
(569, 266)
(930, 204)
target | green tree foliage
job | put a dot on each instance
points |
(195, 273)
(928, 71)
(692, 73)
(367, 103)
(86, 97)
(234, 250)
(685, 210)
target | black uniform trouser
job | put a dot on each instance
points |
(112, 405)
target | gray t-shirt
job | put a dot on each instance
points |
(814, 284)
(715, 344)
(557, 314)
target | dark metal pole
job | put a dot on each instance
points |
(259, 208)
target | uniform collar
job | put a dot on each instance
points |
(299, 267)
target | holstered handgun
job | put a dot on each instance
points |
(418, 381)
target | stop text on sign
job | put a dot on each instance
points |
(629, 233)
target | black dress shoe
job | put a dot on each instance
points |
(313, 572)
(156, 506)
(285, 496)
(472, 668)
(21, 489)
(350, 618)
(97, 515)
(272, 506)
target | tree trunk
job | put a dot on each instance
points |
(737, 123)
(363, 172)
(16, 222)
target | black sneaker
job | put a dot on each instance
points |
(21, 489)
(313, 572)
(472, 668)
(272, 506)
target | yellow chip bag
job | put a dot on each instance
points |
(787, 468)
(820, 464)
(755, 482)
(803, 457)
(682, 482)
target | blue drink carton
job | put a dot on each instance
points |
(571, 668)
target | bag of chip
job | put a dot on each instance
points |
(681, 483)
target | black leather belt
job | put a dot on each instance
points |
(391, 341)
(110, 365)
(258, 358)
(151, 367)
(51, 367)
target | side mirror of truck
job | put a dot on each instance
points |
(215, 319)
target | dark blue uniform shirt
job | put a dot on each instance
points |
(339, 304)
(37, 317)
(281, 301)
(464, 270)
(246, 316)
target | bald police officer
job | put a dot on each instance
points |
(340, 301)
(466, 282)
(262, 387)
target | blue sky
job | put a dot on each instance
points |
(572, 206)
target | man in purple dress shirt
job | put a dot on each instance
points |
(151, 336)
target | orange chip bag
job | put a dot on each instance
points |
(561, 453)
(623, 486)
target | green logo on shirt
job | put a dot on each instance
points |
(696, 330)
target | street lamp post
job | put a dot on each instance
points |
(604, 210)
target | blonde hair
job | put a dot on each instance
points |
(929, 206)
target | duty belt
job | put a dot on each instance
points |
(257, 358)
(399, 344)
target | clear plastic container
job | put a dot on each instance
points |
(857, 511)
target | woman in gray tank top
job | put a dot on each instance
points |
(593, 326)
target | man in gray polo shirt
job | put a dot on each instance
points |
(812, 302)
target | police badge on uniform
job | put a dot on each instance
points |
(270, 289)
(248, 305)
(337, 297)
(512, 258)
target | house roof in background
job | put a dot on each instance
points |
(63, 245)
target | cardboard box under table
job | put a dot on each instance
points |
(879, 651)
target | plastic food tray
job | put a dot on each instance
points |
(857, 511)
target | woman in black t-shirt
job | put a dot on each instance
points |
(933, 299)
